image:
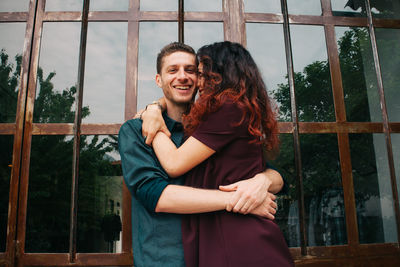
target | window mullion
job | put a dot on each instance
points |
(77, 132)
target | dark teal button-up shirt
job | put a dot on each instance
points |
(156, 237)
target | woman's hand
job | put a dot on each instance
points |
(152, 123)
(267, 209)
(249, 194)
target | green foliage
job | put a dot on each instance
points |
(9, 79)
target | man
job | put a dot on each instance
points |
(157, 199)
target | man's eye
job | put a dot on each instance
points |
(171, 70)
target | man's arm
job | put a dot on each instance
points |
(250, 193)
(188, 200)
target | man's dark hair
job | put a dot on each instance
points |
(172, 48)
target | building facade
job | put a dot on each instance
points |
(72, 71)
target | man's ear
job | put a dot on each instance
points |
(158, 80)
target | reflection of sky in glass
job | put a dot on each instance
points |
(269, 53)
(262, 6)
(59, 51)
(308, 45)
(204, 5)
(157, 5)
(105, 71)
(14, 5)
(149, 47)
(12, 39)
(65, 5)
(107, 5)
(198, 34)
(304, 7)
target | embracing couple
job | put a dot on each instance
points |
(202, 192)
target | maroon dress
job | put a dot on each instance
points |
(225, 238)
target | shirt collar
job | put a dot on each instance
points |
(172, 124)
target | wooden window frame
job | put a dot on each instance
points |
(234, 19)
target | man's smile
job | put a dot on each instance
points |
(182, 87)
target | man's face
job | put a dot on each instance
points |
(178, 77)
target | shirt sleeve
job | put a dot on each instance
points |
(143, 175)
(220, 127)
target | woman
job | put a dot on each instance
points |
(227, 129)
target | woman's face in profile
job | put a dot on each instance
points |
(200, 79)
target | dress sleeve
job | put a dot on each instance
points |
(220, 127)
(142, 172)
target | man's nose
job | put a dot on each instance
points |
(182, 74)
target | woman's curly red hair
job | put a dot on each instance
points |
(230, 72)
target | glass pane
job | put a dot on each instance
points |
(396, 157)
(312, 76)
(107, 5)
(323, 191)
(156, 5)
(388, 40)
(348, 8)
(65, 5)
(386, 9)
(49, 197)
(100, 195)
(204, 5)
(105, 72)
(287, 215)
(149, 47)
(198, 34)
(262, 6)
(57, 73)
(6, 144)
(11, 45)
(304, 7)
(372, 189)
(269, 54)
(14, 5)
(361, 95)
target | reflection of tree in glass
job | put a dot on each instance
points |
(313, 94)
(321, 168)
(51, 160)
(51, 106)
(358, 74)
(9, 79)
